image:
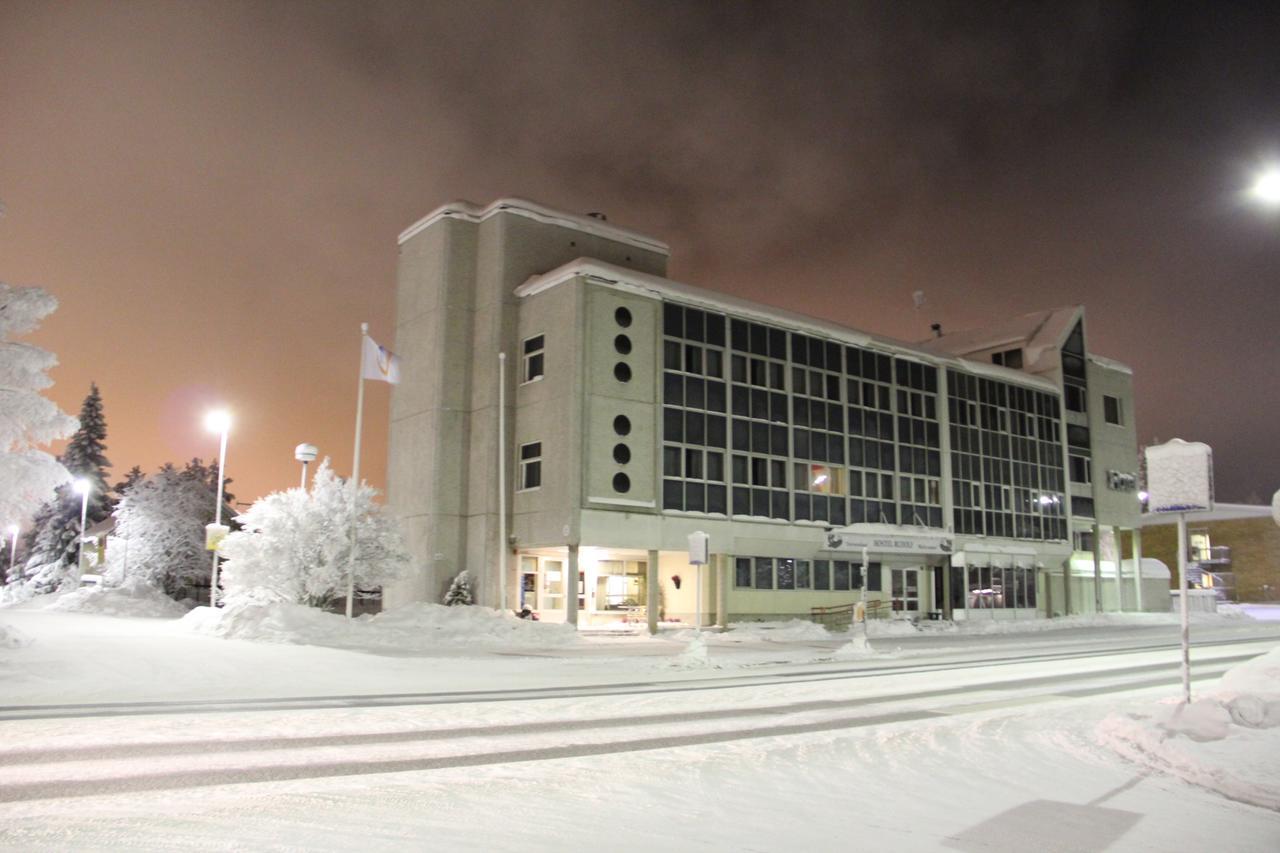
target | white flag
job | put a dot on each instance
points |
(379, 362)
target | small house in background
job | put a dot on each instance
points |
(1233, 550)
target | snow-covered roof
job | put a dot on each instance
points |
(1110, 363)
(664, 288)
(1038, 334)
(1220, 512)
(472, 212)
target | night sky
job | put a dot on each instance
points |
(213, 190)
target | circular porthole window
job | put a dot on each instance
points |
(621, 483)
(621, 454)
(623, 317)
(622, 344)
(622, 425)
(621, 372)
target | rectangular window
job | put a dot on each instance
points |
(533, 358)
(742, 572)
(530, 466)
(1008, 358)
(1074, 397)
(1080, 469)
(1111, 410)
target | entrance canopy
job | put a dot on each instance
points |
(889, 539)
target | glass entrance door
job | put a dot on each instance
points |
(905, 590)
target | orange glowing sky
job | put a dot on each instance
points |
(213, 190)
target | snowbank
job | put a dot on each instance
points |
(134, 597)
(790, 631)
(12, 638)
(1228, 740)
(413, 628)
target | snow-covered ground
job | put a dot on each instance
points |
(451, 729)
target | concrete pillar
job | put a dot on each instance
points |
(652, 588)
(571, 588)
(1137, 565)
(946, 589)
(722, 589)
(1097, 568)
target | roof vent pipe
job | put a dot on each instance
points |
(595, 214)
(936, 328)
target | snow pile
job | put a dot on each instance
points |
(415, 627)
(891, 628)
(1228, 740)
(134, 597)
(856, 649)
(790, 631)
(12, 638)
(696, 655)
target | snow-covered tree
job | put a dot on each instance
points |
(460, 591)
(160, 523)
(134, 476)
(27, 419)
(295, 546)
(55, 540)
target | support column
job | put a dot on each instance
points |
(652, 587)
(946, 589)
(1097, 568)
(722, 590)
(1137, 565)
(571, 588)
(1117, 536)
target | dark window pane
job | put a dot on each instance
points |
(742, 572)
(764, 573)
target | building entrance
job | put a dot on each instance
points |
(904, 590)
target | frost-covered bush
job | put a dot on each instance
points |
(295, 546)
(460, 591)
(159, 534)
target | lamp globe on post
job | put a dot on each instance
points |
(82, 488)
(306, 454)
(218, 421)
(1265, 189)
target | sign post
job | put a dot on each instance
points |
(1180, 480)
(699, 556)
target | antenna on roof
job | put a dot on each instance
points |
(936, 328)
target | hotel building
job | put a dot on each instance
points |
(972, 475)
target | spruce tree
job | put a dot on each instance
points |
(130, 480)
(460, 591)
(55, 539)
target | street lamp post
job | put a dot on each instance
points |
(13, 550)
(220, 422)
(305, 453)
(82, 487)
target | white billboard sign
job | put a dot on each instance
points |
(1180, 476)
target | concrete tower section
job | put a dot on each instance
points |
(455, 311)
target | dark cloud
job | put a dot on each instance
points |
(242, 169)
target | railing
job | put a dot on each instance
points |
(839, 617)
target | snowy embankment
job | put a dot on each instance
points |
(1227, 740)
(412, 628)
(131, 598)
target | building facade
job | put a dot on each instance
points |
(826, 464)
(1233, 549)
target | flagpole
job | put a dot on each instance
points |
(502, 481)
(355, 473)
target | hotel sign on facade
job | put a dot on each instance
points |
(895, 543)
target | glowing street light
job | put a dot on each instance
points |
(13, 548)
(1266, 187)
(82, 487)
(218, 421)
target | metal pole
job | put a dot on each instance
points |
(84, 515)
(355, 473)
(697, 596)
(1097, 568)
(1137, 565)
(304, 476)
(864, 591)
(13, 553)
(217, 515)
(502, 480)
(1186, 623)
